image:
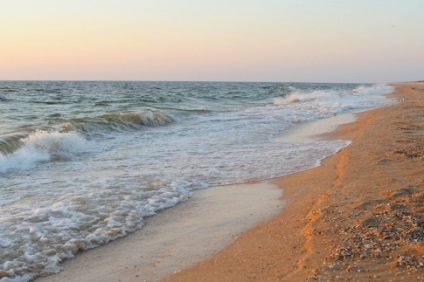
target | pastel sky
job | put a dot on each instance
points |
(219, 40)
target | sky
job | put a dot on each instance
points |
(220, 40)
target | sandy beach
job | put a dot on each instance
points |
(179, 237)
(358, 216)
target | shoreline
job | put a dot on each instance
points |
(358, 216)
(264, 201)
(138, 253)
(254, 255)
(178, 237)
(316, 130)
(152, 263)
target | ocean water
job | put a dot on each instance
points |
(83, 163)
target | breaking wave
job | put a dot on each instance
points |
(297, 97)
(11, 143)
(43, 146)
(23, 150)
(117, 122)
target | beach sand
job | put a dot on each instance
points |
(177, 238)
(359, 216)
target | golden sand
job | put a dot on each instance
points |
(359, 216)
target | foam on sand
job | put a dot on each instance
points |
(179, 237)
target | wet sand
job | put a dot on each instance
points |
(358, 217)
(177, 238)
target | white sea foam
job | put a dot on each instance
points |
(74, 201)
(312, 105)
(373, 89)
(296, 97)
(43, 146)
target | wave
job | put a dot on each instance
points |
(9, 144)
(23, 149)
(146, 118)
(373, 89)
(8, 90)
(42, 146)
(117, 122)
(297, 97)
(322, 103)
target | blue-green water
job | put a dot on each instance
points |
(82, 163)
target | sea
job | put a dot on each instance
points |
(84, 163)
